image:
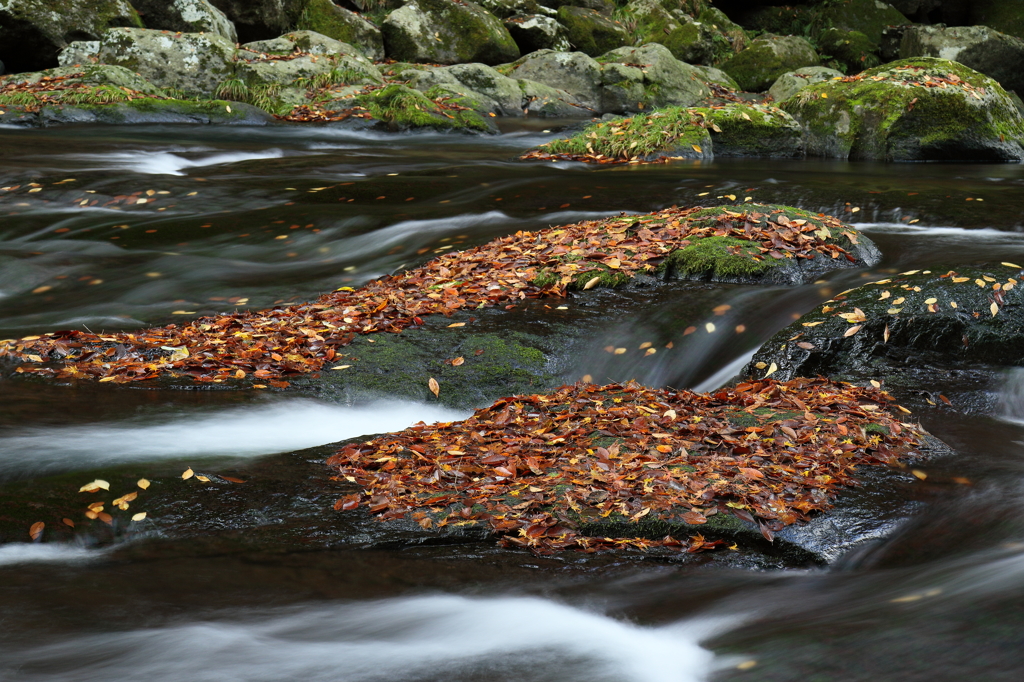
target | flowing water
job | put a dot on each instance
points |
(106, 228)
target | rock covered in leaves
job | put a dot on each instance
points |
(752, 243)
(919, 317)
(910, 110)
(637, 467)
(676, 133)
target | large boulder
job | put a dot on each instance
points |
(504, 9)
(1003, 15)
(937, 317)
(997, 55)
(534, 32)
(572, 72)
(326, 18)
(193, 63)
(259, 19)
(869, 17)
(545, 101)
(910, 110)
(767, 58)
(852, 49)
(186, 16)
(665, 81)
(447, 32)
(788, 84)
(591, 32)
(488, 90)
(33, 32)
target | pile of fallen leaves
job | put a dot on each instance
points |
(912, 75)
(68, 89)
(536, 469)
(270, 344)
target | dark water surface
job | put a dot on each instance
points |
(106, 228)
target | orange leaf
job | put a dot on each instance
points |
(36, 531)
(751, 473)
(458, 361)
(435, 388)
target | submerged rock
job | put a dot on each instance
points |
(755, 244)
(33, 32)
(767, 58)
(910, 110)
(675, 133)
(446, 32)
(913, 319)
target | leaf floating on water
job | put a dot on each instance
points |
(232, 479)
(852, 330)
(885, 335)
(187, 474)
(36, 531)
(746, 665)
(98, 484)
(434, 387)
(68, 522)
(105, 518)
(138, 517)
(143, 483)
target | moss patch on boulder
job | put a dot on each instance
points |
(591, 32)
(910, 110)
(767, 58)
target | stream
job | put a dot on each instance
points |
(107, 228)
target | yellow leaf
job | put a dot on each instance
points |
(885, 295)
(893, 311)
(811, 324)
(435, 388)
(994, 308)
(824, 95)
(852, 330)
(143, 483)
(697, 149)
(98, 484)
(930, 301)
(458, 361)
(341, 367)
(960, 279)
(592, 283)
(183, 312)
(875, 383)
(730, 197)
(771, 370)
(188, 473)
(1011, 265)
(885, 335)
(204, 479)
(139, 516)
(457, 324)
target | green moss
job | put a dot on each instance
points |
(725, 257)
(767, 58)
(672, 130)
(407, 108)
(323, 17)
(852, 49)
(590, 32)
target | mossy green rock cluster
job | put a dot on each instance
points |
(867, 17)
(446, 32)
(901, 112)
(788, 84)
(931, 317)
(767, 58)
(33, 32)
(690, 133)
(398, 107)
(590, 31)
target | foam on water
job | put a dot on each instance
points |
(23, 552)
(245, 431)
(422, 638)
(170, 163)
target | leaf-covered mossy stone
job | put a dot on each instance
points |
(748, 244)
(326, 18)
(679, 133)
(590, 31)
(767, 58)
(788, 84)
(478, 82)
(87, 74)
(574, 468)
(402, 108)
(997, 55)
(910, 110)
(447, 32)
(33, 32)
(917, 318)
(194, 63)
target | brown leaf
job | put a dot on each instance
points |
(694, 519)
(458, 361)
(434, 387)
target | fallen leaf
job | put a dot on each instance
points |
(852, 330)
(435, 388)
(98, 484)
(143, 483)
(458, 361)
(591, 283)
(187, 474)
(36, 531)
(138, 517)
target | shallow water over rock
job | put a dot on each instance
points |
(255, 216)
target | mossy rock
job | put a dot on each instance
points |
(688, 133)
(33, 32)
(690, 41)
(767, 58)
(788, 84)
(854, 50)
(1006, 16)
(139, 111)
(326, 18)
(899, 112)
(591, 32)
(868, 17)
(446, 32)
(997, 55)
(937, 317)
(89, 74)
(400, 107)
(186, 16)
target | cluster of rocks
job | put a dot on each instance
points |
(448, 64)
